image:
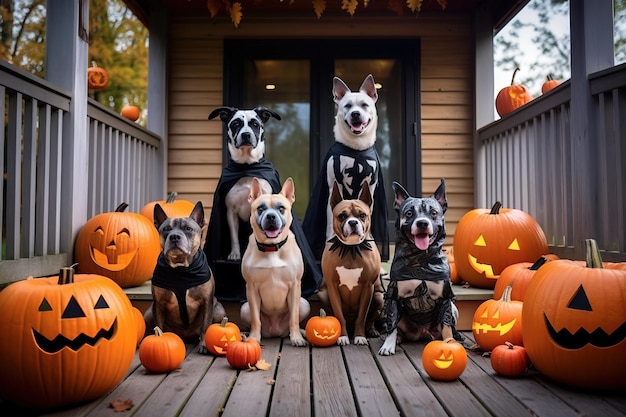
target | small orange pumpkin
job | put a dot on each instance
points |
(509, 360)
(162, 351)
(512, 97)
(549, 84)
(97, 78)
(120, 245)
(130, 112)
(518, 276)
(171, 206)
(498, 321)
(243, 354)
(322, 330)
(444, 360)
(219, 335)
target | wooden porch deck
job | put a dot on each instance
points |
(338, 381)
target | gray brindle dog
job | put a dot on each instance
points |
(419, 301)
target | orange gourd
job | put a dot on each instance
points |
(549, 84)
(65, 339)
(444, 360)
(162, 351)
(97, 78)
(219, 335)
(130, 112)
(243, 354)
(512, 97)
(509, 360)
(498, 321)
(517, 276)
(171, 206)
(322, 330)
(121, 245)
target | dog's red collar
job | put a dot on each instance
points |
(271, 247)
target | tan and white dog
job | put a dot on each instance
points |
(351, 266)
(272, 267)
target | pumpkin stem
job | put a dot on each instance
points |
(158, 331)
(509, 345)
(322, 313)
(513, 77)
(121, 207)
(550, 77)
(594, 260)
(93, 64)
(496, 208)
(538, 263)
(171, 197)
(506, 295)
(224, 321)
(66, 276)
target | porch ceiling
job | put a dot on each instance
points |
(502, 10)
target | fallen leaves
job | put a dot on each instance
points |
(261, 365)
(119, 406)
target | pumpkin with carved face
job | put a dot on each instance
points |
(65, 339)
(498, 321)
(120, 245)
(444, 360)
(575, 322)
(322, 330)
(487, 241)
(218, 336)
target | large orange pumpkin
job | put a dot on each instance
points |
(517, 276)
(575, 322)
(498, 321)
(512, 97)
(171, 206)
(65, 339)
(97, 78)
(487, 241)
(120, 245)
(444, 360)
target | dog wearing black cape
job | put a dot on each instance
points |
(229, 283)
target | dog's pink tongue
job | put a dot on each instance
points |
(421, 241)
(272, 233)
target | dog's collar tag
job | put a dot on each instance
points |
(264, 247)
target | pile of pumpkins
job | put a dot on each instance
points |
(515, 95)
(567, 318)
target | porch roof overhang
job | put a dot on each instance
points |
(501, 10)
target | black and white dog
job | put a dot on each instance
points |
(419, 301)
(351, 161)
(229, 224)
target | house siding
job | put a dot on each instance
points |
(446, 90)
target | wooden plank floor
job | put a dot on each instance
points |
(334, 381)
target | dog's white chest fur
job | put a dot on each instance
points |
(349, 277)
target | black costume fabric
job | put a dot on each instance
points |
(180, 279)
(229, 283)
(314, 224)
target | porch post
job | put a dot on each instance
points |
(483, 94)
(157, 90)
(67, 29)
(591, 34)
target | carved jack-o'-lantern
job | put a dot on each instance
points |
(444, 360)
(120, 245)
(323, 330)
(219, 335)
(498, 321)
(575, 322)
(487, 241)
(64, 339)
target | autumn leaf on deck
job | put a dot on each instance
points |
(349, 6)
(120, 406)
(414, 5)
(261, 365)
(443, 4)
(235, 13)
(214, 6)
(318, 7)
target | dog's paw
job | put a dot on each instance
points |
(386, 351)
(298, 341)
(234, 255)
(203, 350)
(361, 341)
(343, 340)
(372, 332)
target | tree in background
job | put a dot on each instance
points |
(23, 33)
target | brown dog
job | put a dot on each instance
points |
(182, 284)
(351, 266)
(272, 267)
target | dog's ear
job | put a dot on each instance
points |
(225, 113)
(335, 197)
(255, 190)
(339, 89)
(265, 114)
(401, 195)
(159, 216)
(289, 190)
(369, 87)
(366, 195)
(197, 214)
(440, 195)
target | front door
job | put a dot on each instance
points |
(295, 78)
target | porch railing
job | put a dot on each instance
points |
(123, 160)
(528, 165)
